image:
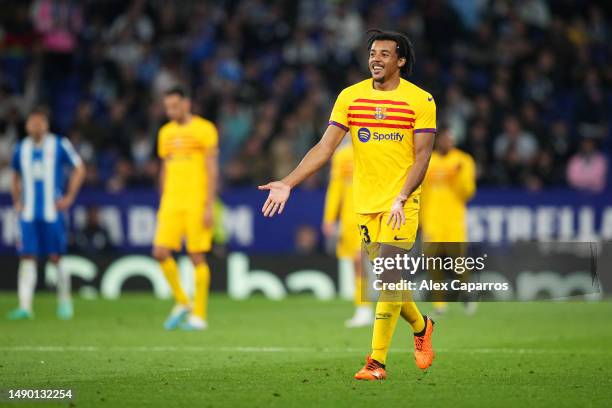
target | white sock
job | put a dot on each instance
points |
(364, 308)
(26, 283)
(63, 283)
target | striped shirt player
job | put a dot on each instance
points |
(41, 167)
(40, 196)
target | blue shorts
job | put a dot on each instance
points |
(40, 238)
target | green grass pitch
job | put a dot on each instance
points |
(296, 352)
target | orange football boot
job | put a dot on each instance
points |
(372, 371)
(423, 353)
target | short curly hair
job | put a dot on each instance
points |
(404, 49)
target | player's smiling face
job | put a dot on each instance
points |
(384, 62)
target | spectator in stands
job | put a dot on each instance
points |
(516, 142)
(479, 146)
(457, 110)
(89, 128)
(92, 238)
(587, 170)
(135, 22)
(11, 130)
(250, 65)
(82, 146)
(58, 23)
(301, 50)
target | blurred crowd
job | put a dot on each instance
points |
(525, 85)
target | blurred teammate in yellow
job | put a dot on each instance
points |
(340, 219)
(187, 146)
(450, 182)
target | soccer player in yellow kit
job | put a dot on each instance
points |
(339, 207)
(392, 124)
(187, 146)
(449, 184)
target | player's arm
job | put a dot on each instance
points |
(212, 169)
(466, 179)
(423, 136)
(74, 185)
(423, 146)
(162, 176)
(162, 153)
(16, 185)
(16, 191)
(77, 176)
(312, 161)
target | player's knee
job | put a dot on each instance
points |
(54, 259)
(197, 259)
(160, 254)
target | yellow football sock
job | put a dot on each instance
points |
(410, 312)
(171, 272)
(202, 282)
(387, 313)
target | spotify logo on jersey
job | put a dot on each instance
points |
(363, 134)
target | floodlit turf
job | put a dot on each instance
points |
(297, 353)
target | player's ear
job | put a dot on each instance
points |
(401, 62)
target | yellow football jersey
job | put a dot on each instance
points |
(383, 125)
(184, 149)
(449, 184)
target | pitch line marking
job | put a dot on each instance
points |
(275, 349)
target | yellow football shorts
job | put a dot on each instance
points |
(375, 231)
(175, 225)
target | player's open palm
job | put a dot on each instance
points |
(278, 196)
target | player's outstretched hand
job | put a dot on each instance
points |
(279, 194)
(397, 218)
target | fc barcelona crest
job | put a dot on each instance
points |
(380, 113)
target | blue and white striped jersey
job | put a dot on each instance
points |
(41, 167)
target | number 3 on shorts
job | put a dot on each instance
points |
(365, 237)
